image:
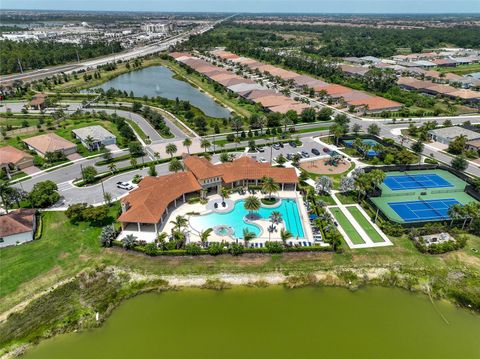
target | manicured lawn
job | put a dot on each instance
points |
(367, 227)
(63, 249)
(347, 198)
(138, 130)
(347, 226)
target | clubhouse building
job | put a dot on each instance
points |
(151, 203)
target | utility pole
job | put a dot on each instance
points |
(78, 57)
(81, 170)
(20, 65)
(103, 189)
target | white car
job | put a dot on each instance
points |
(263, 160)
(124, 185)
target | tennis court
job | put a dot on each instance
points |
(416, 181)
(423, 210)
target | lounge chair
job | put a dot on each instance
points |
(215, 205)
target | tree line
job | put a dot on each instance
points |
(39, 54)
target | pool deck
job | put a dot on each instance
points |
(187, 210)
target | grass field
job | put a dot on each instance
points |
(367, 227)
(347, 226)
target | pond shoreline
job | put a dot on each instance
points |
(133, 284)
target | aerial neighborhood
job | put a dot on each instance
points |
(146, 152)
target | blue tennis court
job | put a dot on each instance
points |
(415, 181)
(423, 210)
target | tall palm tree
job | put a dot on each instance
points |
(269, 186)
(205, 144)
(276, 217)
(285, 235)
(175, 165)
(455, 212)
(179, 222)
(112, 167)
(171, 149)
(89, 142)
(205, 234)
(286, 122)
(187, 143)
(377, 177)
(252, 204)
(236, 123)
(133, 162)
(225, 192)
(247, 236)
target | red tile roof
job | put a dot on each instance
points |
(19, 221)
(201, 167)
(376, 103)
(148, 202)
(9, 154)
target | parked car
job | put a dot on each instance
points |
(326, 150)
(315, 152)
(260, 149)
(289, 156)
(281, 144)
(276, 146)
(305, 154)
(293, 144)
(263, 160)
(124, 185)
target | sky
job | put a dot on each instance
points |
(258, 6)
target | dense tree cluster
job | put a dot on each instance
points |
(39, 54)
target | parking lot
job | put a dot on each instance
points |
(307, 145)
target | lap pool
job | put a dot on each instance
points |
(234, 219)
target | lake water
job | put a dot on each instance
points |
(276, 323)
(158, 81)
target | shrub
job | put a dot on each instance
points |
(107, 236)
(75, 212)
(151, 249)
(274, 247)
(215, 249)
(193, 249)
(44, 194)
(236, 249)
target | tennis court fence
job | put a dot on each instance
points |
(450, 190)
(395, 194)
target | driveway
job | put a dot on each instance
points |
(75, 156)
(31, 170)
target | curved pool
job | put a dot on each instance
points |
(288, 209)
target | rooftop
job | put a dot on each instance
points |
(49, 142)
(10, 154)
(97, 133)
(19, 221)
(455, 131)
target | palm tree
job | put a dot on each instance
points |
(179, 223)
(4, 191)
(129, 241)
(225, 192)
(187, 143)
(133, 162)
(112, 167)
(455, 212)
(89, 142)
(252, 204)
(269, 186)
(161, 238)
(286, 122)
(236, 123)
(205, 234)
(276, 217)
(377, 177)
(285, 235)
(247, 236)
(171, 149)
(205, 144)
(175, 165)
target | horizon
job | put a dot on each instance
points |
(310, 7)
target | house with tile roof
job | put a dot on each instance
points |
(50, 142)
(12, 158)
(17, 227)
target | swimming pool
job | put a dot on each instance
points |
(234, 219)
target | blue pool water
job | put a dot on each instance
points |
(366, 141)
(288, 209)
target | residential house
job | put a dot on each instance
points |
(17, 227)
(94, 137)
(50, 142)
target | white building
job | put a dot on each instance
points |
(17, 227)
(162, 28)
